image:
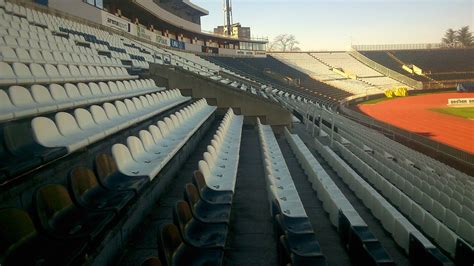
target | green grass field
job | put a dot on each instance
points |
(464, 112)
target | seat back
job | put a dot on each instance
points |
(168, 242)
(191, 194)
(50, 200)
(18, 138)
(104, 166)
(15, 225)
(80, 180)
(199, 181)
(181, 216)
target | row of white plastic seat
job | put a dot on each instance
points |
(393, 221)
(89, 126)
(22, 55)
(20, 102)
(445, 208)
(221, 160)
(279, 181)
(21, 42)
(28, 31)
(147, 154)
(455, 196)
(440, 177)
(435, 219)
(383, 210)
(333, 199)
(19, 73)
(426, 164)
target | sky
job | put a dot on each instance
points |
(335, 24)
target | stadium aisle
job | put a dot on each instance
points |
(326, 234)
(376, 228)
(143, 243)
(251, 239)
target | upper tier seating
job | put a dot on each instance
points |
(18, 101)
(439, 64)
(255, 68)
(321, 66)
(347, 63)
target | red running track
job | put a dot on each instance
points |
(413, 114)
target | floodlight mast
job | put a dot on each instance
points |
(228, 16)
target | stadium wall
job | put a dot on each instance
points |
(223, 96)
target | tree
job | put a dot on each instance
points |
(449, 37)
(284, 42)
(464, 36)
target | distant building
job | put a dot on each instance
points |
(237, 31)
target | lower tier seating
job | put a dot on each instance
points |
(200, 226)
(147, 154)
(363, 246)
(418, 247)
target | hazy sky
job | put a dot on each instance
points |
(331, 24)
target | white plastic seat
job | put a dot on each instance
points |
(42, 96)
(65, 73)
(60, 96)
(39, 73)
(23, 73)
(100, 118)
(466, 231)
(53, 73)
(7, 76)
(447, 239)
(86, 122)
(7, 54)
(48, 56)
(430, 225)
(95, 89)
(7, 109)
(23, 101)
(68, 127)
(76, 73)
(47, 134)
(23, 55)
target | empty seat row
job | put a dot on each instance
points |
(88, 126)
(426, 189)
(404, 233)
(51, 44)
(293, 227)
(364, 248)
(459, 249)
(23, 55)
(69, 220)
(220, 162)
(202, 221)
(61, 236)
(19, 73)
(459, 218)
(18, 102)
(147, 154)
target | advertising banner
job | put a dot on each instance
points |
(177, 44)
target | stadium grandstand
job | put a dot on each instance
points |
(130, 136)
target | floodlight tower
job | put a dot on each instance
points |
(228, 17)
